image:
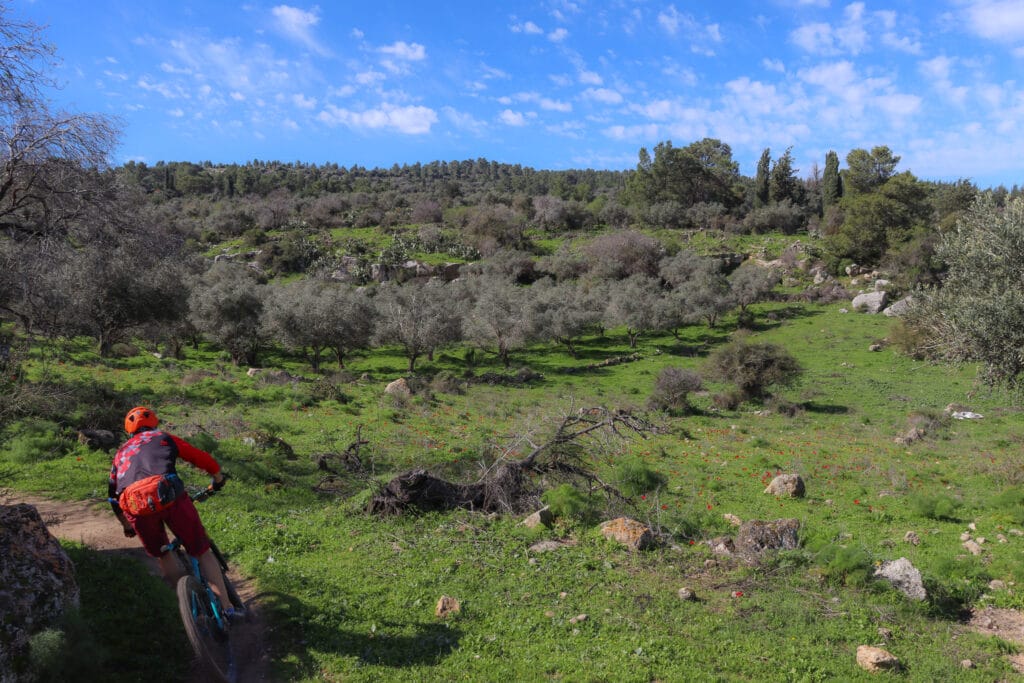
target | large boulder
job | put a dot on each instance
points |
(757, 536)
(870, 302)
(37, 583)
(904, 577)
(629, 532)
(787, 486)
(900, 308)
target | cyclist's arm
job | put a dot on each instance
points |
(197, 457)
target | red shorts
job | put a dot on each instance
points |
(182, 519)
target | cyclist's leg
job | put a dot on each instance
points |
(211, 570)
(183, 519)
(150, 530)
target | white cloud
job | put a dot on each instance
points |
(773, 65)
(176, 113)
(669, 19)
(369, 77)
(464, 121)
(289, 124)
(642, 132)
(237, 96)
(512, 118)
(298, 24)
(1001, 20)
(603, 95)
(527, 27)
(824, 39)
(357, 34)
(555, 105)
(411, 120)
(170, 91)
(590, 78)
(410, 52)
(558, 35)
(303, 102)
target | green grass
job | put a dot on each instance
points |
(351, 597)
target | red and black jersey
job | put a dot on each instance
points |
(153, 452)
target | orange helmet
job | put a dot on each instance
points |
(139, 417)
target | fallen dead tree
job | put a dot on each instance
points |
(510, 485)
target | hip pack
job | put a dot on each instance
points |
(151, 495)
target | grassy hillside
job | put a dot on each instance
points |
(351, 596)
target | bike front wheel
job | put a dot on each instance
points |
(209, 640)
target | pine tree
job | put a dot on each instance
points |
(761, 193)
(831, 181)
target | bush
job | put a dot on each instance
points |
(634, 477)
(939, 506)
(672, 388)
(569, 502)
(33, 440)
(842, 565)
(67, 653)
(754, 368)
(727, 400)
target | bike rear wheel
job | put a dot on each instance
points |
(209, 641)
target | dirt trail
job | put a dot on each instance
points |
(93, 524)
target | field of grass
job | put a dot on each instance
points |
(351, 596)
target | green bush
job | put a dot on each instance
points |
(569, 502)
(1009, 505)
(634, 477)
(33, 440)
(841, 565)
(68, 653)
(939, 506)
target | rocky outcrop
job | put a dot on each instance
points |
(629, 532)
(904, 577)
(37, 583)
(757, 536)
(787, 486)
(870, 302)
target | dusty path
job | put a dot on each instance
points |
(93, 524)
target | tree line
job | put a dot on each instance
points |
(88, 248)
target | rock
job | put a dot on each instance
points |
(37, 582)
(1001, 538)
(966, 664)
(900, 308)
(912, 538)
(252, 372)
(875, 348)
(1015, 532)
(578, 619)
(913, 435)
(904, 576)
(972, 547)
(629, 532)
(547, 546)
(996, 585)
(786, 485)
(873, 659)
(732, 519)
(538, 518)
(399, 388)
(965, 536)
(881, 284)
(100, 439)
(721, 545)
(972, 526)
(687, 594)
(870, 302)
(885, 633)
(446, 607)
(756, 536)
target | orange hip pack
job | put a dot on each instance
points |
(151, 495)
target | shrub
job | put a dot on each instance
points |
(672, 388)
(939, 506)
(727, 400)
(568, 501)
(32, 440)
(842, 565)
(754, 367)
(634, 477)
(67, 653)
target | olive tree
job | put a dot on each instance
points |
(226, 305)
(419, 317)
(978, 312)
(563, 312)
(314, 316)
(498, 320)
(636, 304)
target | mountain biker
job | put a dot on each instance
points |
(146, 463)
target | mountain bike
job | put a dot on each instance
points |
(206, 624)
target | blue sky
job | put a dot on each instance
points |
(551, 84)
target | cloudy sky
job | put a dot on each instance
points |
(550, 84)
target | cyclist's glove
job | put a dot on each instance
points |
(218, 485)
